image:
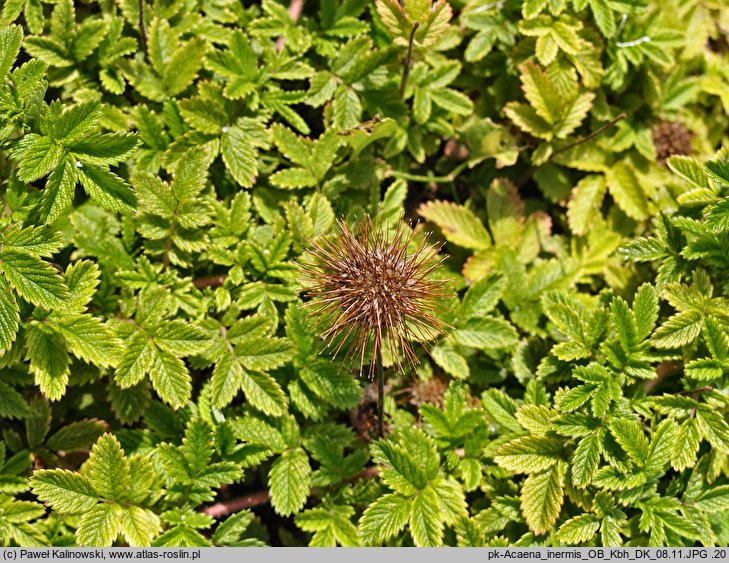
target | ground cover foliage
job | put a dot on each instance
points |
(163, 174)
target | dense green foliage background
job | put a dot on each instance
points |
(162, 173)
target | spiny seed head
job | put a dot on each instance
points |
(368, 288)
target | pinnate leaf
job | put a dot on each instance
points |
(135, 362)
(58, 193)
(139, 526)
(585, 460)
(181, 338)
(100, 526)
(384, 518)
(578, 529)
(542, 497)
(107, 470)
(529, 454)
(625, 188)
(458, 224)
(77, 435)
(486, 333)
(170, 378)
(39, 241)
(679, 330)
(9, 316)
(629, 435)
(90, 339)
(426, 520)
(263, 392)
(585, 202)
(34, 279)
(12, 403)
(227, 380)
(290, 481)
(10, 40)
(264, 354)
(239, 149)
(541, 93)
(63, 490)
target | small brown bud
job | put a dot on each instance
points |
(671, 137)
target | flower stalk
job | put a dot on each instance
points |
(380, 397)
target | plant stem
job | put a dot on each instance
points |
(380, 396)
(408, 59)
(210, 281)
(427, 179)
(664, 371)
(599, 131)
(237, 504)
(592, 135)
(259, 498)
(142, 30)
(252, 500)
(295, 9)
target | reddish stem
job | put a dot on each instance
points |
(236, 504)
(262, 497)
(665, 370)
(295, 9)
(210, 281)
